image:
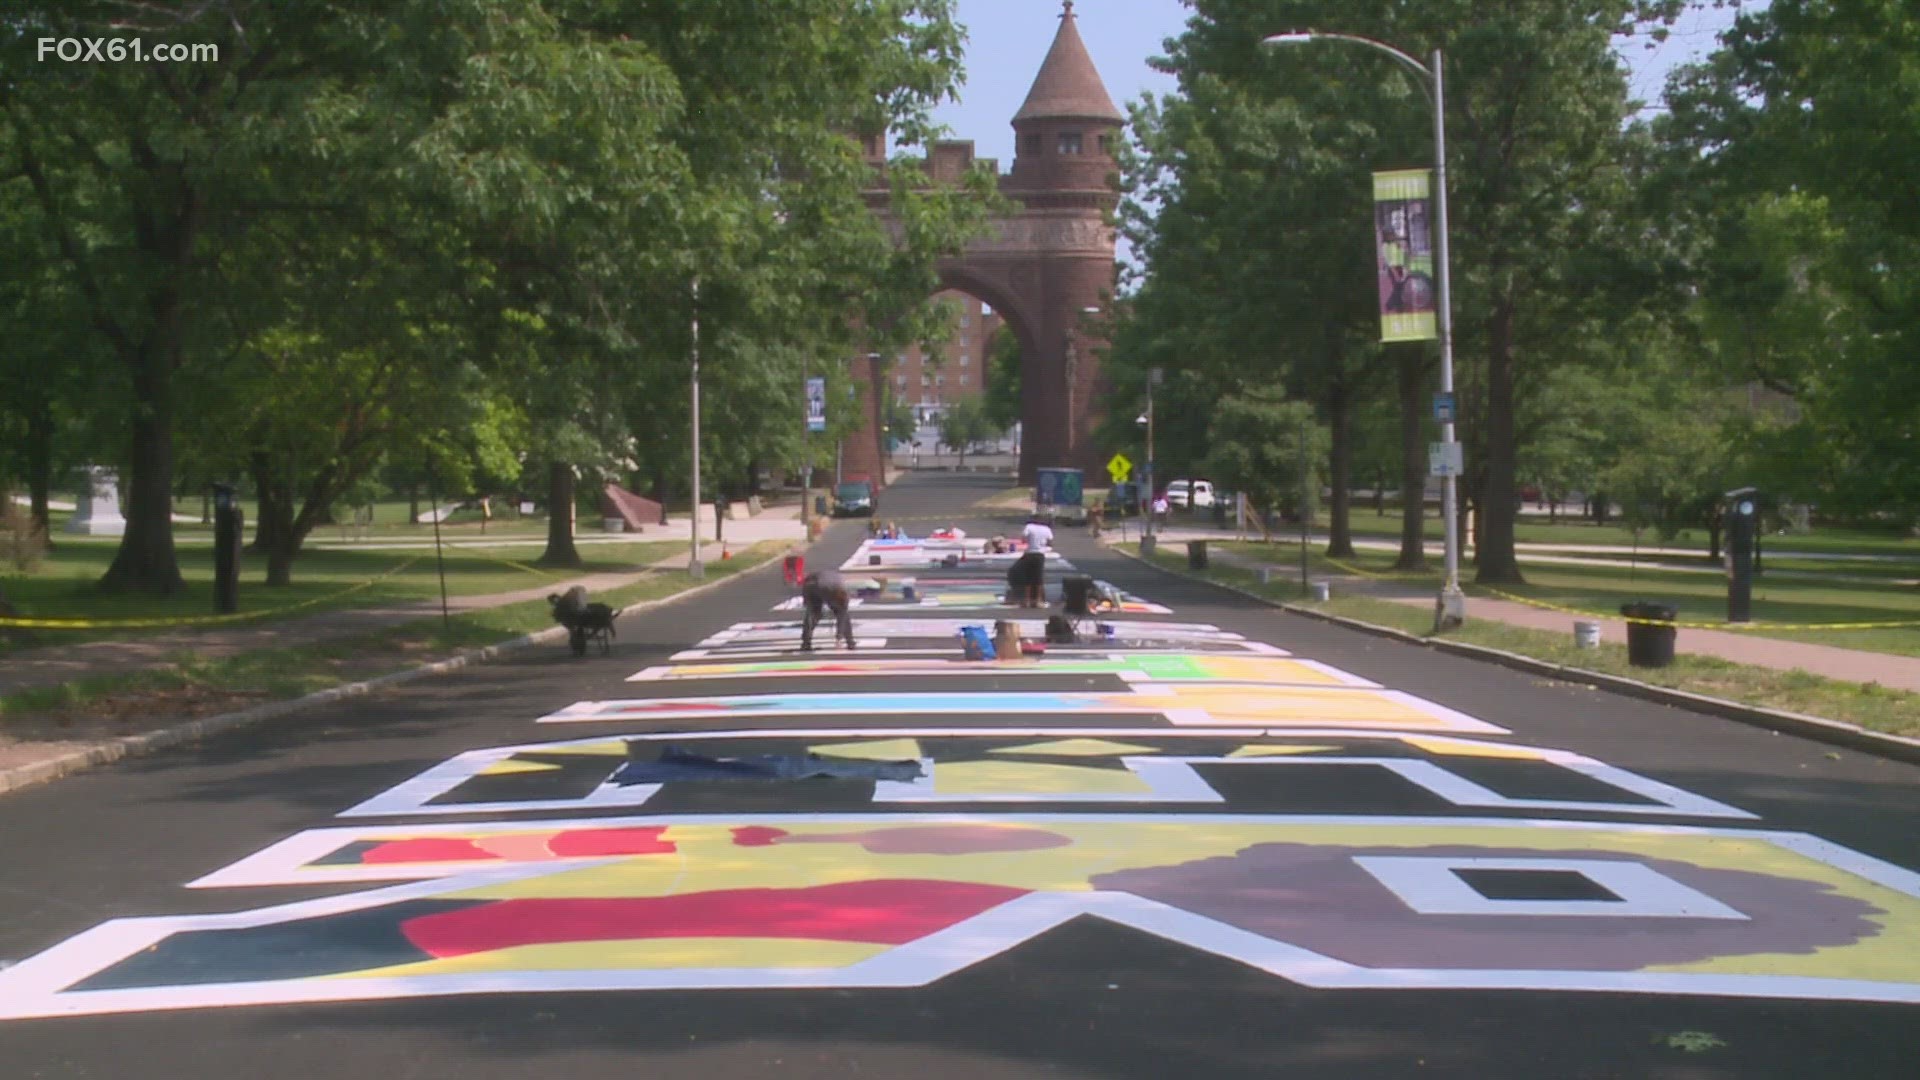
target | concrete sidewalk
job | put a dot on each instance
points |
(63, 663)
(1849, 665)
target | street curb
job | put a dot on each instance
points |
(39, 772)
(1819, 729)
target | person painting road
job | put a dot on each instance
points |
(820, 590)
(1027, 577)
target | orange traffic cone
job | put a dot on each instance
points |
(725, 553)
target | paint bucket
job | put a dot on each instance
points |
(1106, 631)
(1322, 591)
(1586, 635)
(908, 591)
(976, 642)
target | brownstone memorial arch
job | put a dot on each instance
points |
(1047, 269)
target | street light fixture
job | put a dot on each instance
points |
(1450, 609)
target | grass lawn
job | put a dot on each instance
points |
(110, 705)
(1872, 707)
(1532, 530)
(64, 585)
(1600, 590)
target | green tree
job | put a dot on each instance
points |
(1001, 399)
(1271, 449)
(964, 423)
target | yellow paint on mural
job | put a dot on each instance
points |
(1032, 778)
(1277, 751)
(877, 750)
(1465, 748)
(1302, 705)
(603, 748)
(645, 954)
(1265, 669)
(1077, 748)
(510, 767)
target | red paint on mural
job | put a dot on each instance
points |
(875, 912)
(580, 843)
(424, 850)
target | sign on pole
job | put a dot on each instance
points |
(1119, 467)
(1444, 459)
(1443, 407)
(1403, 245)
(816, 404)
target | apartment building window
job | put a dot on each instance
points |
(939, 380)
(899, 380)
(963, 378)
(924, 380)
(965, 359)
(1069, 142)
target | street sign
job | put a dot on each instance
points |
(1443, 459)
(1443, 407)
(1119, 467)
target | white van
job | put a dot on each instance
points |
(1190, 494)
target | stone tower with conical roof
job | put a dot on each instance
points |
(1063, 176)
(1048, 268)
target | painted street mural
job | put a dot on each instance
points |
(877, 901)
(1331, 771)
(756, 817)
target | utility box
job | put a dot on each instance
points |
(1743, 529)
(228, 524)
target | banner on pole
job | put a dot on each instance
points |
(1403, 244)
(816, 404)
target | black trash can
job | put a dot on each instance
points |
(1650, 645)
(1197, 554)
(820, 505)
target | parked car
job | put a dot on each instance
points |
(854, 499)
(1190, 494)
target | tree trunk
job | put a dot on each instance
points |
(281, 539)
(1379, 493)
(413, 502)
(1493, 548)
(145, 561)
(1600, 502)
(1413, 462)
(1713, 543)
(40, 472)
(1553, 506)
(660, 494)
(560, 550)
(1340, 466)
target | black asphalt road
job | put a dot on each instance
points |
(1089, 999)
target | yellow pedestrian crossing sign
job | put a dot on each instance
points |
(1119, 468)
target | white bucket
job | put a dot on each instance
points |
(1322, 591)
(1266, 575)
(1586, 635)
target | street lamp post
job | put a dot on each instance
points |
(1450, 609)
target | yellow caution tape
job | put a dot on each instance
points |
(199, 620)
(1530, 602)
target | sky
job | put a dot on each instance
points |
(1007, 40)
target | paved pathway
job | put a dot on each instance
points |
(122, 656)
(1851, 665)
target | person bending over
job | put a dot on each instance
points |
(820, 590)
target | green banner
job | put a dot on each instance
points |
(1403, 244)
